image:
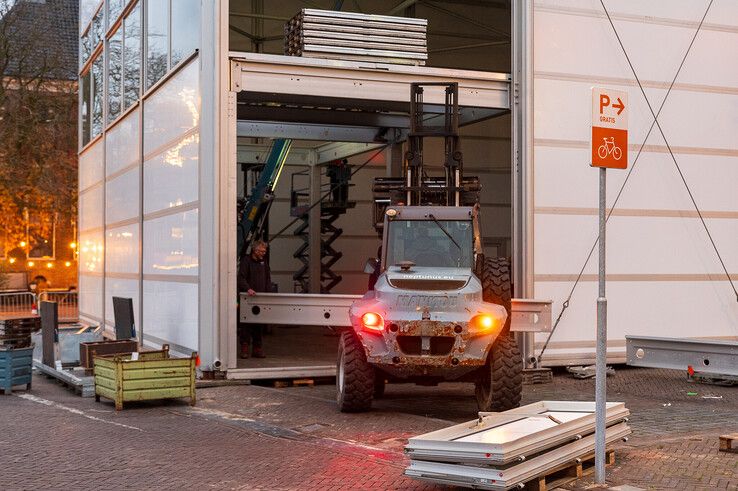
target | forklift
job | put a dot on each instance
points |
(439, 310)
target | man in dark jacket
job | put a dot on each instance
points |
(253, 276)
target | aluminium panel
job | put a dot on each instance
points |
(362, 31)
(333, 14)
(501, 438)
(315, 43)
(343, 37)
(703, 355)
(484, 477)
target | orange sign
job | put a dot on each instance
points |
(609, 144)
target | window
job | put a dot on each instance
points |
(96, 30)
(132, 57)
(84, 88)
(157, 40)
(185, 29)
(442, 244)
(115, 7)
(87, 9)
(85, 48)
(115, 73)
(97, 97)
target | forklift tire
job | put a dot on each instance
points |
(500, 384)
(496, 286)
(354, 375)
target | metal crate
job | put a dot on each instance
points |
(15, 368)
(154, 375)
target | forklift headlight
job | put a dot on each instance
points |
(372, 321)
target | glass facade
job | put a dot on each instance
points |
(139, 193)
(185, 29)
(157, 40)
(115, 75)
(132, 57)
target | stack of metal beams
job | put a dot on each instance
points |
(357, 37)
(504, 450)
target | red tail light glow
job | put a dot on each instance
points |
(483, 322)
(372, 321)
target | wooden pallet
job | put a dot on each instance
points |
(726, 442)
(532, 376)
(565, 473)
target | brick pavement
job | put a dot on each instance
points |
(249, 437)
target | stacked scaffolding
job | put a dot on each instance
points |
(357, 37)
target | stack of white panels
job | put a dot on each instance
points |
(356, 37)
(502, 450)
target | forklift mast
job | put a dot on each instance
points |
(415, 187)
(256, 206)
(448, 130)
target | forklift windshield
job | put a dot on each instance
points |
(429, 243)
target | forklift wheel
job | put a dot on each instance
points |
(354, 375)
(500, 384)
(496, 287)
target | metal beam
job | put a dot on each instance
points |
(258, 16)
(342, 150)
(401, 7)
(243, 33)
(254, 153)
(492, 4)
(703, 355)
(270, 78)
(322, 116)
(300, 131)
(470, 46)
(315, 265)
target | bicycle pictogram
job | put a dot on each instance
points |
(609, 147)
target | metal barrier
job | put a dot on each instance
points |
(18, 303)
(66, 302)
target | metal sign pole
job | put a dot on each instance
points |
(601, 356)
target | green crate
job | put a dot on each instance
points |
(155, 375)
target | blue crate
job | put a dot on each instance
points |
(15, 368)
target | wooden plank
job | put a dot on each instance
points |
(157, 383)
(726, 443)
(155, 373)
(151, 394)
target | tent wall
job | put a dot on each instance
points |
(664, 278)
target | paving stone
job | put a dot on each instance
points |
(258, 438)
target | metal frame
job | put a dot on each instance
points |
(499, 479)
(358, 104)
(444, 445)
(713, 357)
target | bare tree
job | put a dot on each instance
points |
(38, 120)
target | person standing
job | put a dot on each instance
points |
(253, 276)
